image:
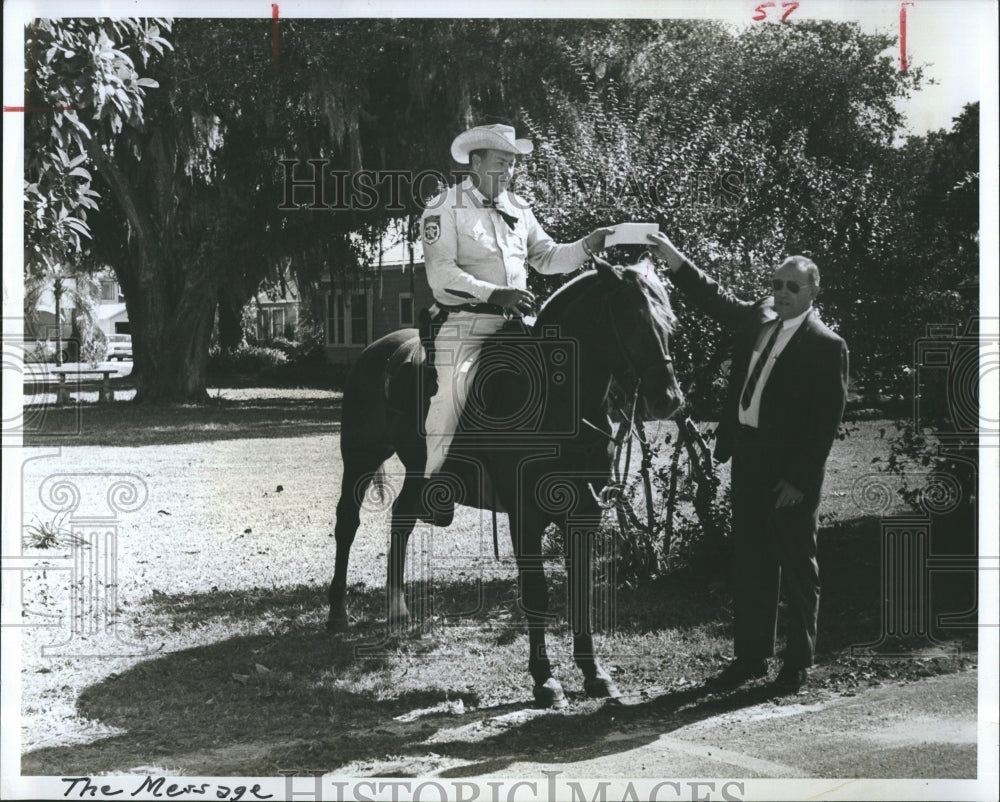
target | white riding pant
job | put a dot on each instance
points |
(456, 354)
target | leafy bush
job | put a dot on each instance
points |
(310, 350)
(245, 358)
(702, 541)
(690, 528)
(40, 353)
(95, 348)
(934, 477)
(936, 454)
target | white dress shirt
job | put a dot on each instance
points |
(751, 415)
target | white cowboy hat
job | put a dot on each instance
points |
(492, 137)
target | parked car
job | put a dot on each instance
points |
(119, 346)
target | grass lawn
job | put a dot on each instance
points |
(212, 658)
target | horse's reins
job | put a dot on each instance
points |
(614, 492)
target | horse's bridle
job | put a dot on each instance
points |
(631, 369)
(613, 493)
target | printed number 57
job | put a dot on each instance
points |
(760, 12)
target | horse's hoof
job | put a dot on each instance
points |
(601, 688)
(550, 694)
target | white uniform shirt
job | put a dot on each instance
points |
(751, 415)
(470, 250)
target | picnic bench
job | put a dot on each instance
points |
(104, 394)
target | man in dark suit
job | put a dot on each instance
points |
(787, 388)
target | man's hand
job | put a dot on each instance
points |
(518, 301)
(594, 241)
(664, 248)
(788, 495)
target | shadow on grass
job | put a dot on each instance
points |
(852, 608)
(206, 711)
(317, 702)
(133, 425)
(916, 608)
(674, 603)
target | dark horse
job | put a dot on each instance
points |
(534, 441)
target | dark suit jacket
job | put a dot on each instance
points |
(803, 399)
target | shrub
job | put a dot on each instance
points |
(245, 358)
(39, 353)
(933, 475)
(95, 348)
(689, 529)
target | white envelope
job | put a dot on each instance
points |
(631, 234)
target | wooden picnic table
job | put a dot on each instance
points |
(104, 394)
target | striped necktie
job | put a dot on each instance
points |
(759, 367)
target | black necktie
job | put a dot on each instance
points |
(759, 366)
(510, 219)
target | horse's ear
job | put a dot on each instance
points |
(606, 271)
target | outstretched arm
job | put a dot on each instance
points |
(704, 292)
(667, 251)
(548, 257)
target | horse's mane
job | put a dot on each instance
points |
(568, 294)
(574, 289)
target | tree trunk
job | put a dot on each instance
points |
(170, 344)
(59, 348)
(76, 337)
(170, 294)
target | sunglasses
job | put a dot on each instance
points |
(793, 286)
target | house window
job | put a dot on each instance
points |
(347, 322)
(405, 309)
(271, 323)
(111, 291)
(359, 319)
(334, 314)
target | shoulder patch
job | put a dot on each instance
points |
(432, 228)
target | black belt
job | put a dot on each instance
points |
(479, 309)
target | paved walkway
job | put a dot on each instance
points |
(917, 740)
(922, 729)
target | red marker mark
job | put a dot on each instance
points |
(760, 11)
(902, 35)
(791, 7)
(274, 35)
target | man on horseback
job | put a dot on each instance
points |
(478, 238)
